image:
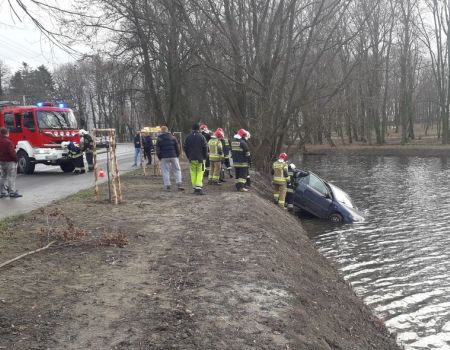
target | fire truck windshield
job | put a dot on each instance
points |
(56, 120)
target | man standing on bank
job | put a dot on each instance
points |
(168, 151)
(8, 166)
(196, 149)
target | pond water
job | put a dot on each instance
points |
(398, 260)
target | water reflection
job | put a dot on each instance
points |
(398, 259)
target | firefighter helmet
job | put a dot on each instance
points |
(219, 134)
(82, 132)
(243, 133)
(292, 166)
(283, 156)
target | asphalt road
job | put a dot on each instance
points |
(49, 183)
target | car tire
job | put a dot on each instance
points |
(67, 167)
(336, 218)
(24, 163)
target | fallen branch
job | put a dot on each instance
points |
(26, 254)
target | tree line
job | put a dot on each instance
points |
(291, 72)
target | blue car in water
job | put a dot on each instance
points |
(324, 200)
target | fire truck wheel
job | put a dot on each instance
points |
(67, 167)
(24, 164)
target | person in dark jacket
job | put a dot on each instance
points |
(168, 151)
(137, 147)
(148, 147)
(8, 166)
(196, 149)
(76, 154)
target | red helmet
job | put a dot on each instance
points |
(203, 127)
(242, 133)
(219, 133)
(283, 156)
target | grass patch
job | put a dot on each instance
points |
(7, 224)
(80, 196)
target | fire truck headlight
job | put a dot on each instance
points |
(55, 133)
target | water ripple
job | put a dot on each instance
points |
(398, 260)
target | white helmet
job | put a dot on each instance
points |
(64, 144)
(292, 166)
(82, 132)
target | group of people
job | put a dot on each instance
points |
(143, 143)
(209, 156)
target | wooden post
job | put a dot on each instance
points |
(116, 170)
(113, 165)
(94, 136)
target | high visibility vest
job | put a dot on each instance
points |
(215, 149)
(280, 173)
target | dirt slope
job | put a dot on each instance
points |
(222, 271)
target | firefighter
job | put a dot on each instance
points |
(280, 179)
(76, 155)
(248, 182)
(207, 135)
(215, 154)
(226, 164)
(241, 159)
(87, 145)
(290, 187)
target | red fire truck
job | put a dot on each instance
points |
(37, 133)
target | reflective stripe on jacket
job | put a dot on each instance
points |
(226, 148)
(215, 149)
(240, 153)
(280, 173)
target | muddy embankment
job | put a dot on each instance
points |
(223, 271)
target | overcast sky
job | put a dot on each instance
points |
(21, 41)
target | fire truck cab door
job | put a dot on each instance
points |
(29, 128)
(10, 124)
